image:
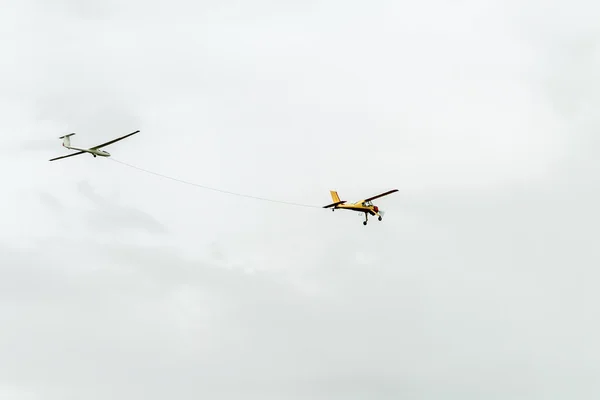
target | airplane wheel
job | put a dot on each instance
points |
(380, 218)
(364, 222)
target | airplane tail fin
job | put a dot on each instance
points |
(334, 196)
(336, 199)
(67, 139)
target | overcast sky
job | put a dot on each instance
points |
(481, 282)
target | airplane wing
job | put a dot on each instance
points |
(112, 141)
(381, 195)
(68, 155)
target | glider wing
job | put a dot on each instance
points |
(68, 155)
(113, 141)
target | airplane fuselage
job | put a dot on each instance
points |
(94, 152)
(366, 208)
(359, 207)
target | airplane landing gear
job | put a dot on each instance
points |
(366, 219)
(380, 218)
(364, 222)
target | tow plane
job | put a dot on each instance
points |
(363, 206)
(95, 151)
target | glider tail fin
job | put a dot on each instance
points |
(66, 140)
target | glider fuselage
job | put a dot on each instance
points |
(94, 152)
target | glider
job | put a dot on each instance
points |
(95, 151)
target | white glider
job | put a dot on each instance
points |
(95, 151)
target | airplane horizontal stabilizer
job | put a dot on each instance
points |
(334, 204)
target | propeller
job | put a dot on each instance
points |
(378, 212)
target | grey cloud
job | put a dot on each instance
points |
(46, 146)
(86, 9)
(394, 327)
(109, 215)
(52, 202)
(479, 283)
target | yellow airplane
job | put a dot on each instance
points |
(362, 206)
